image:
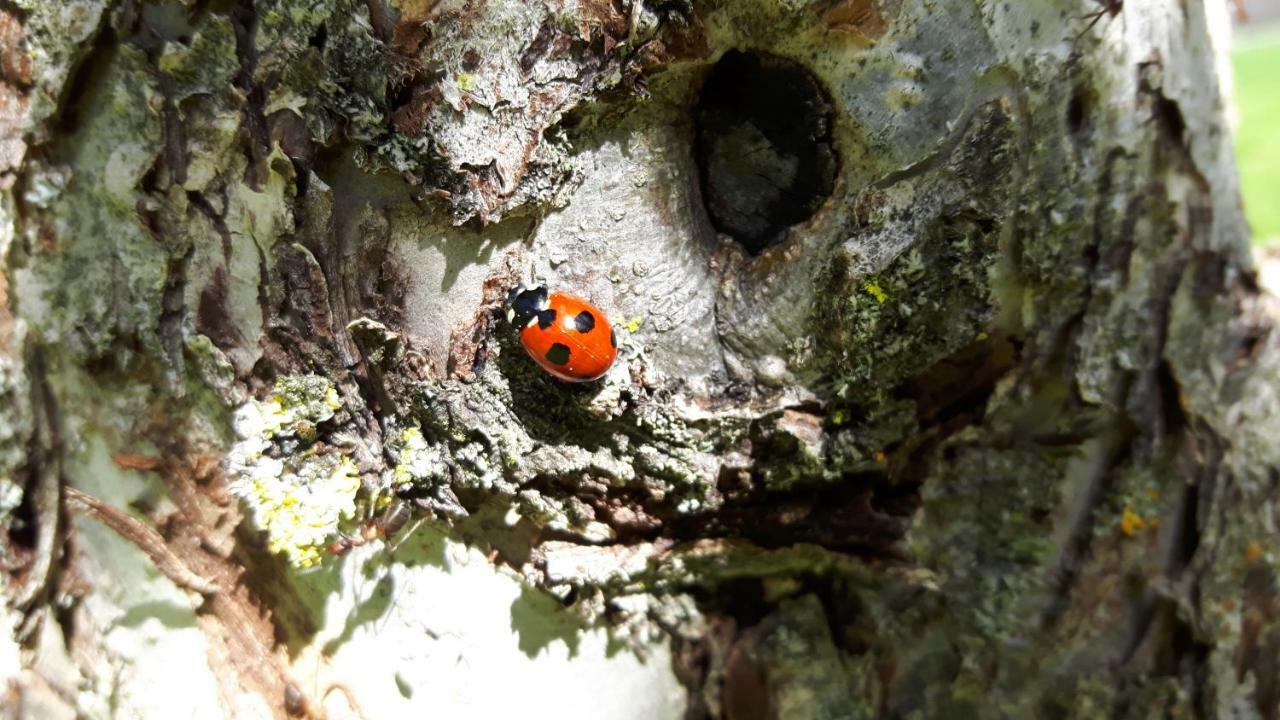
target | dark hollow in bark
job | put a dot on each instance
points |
(763, 146)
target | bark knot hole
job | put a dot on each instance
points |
(764, 146)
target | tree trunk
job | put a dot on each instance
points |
(945, 388)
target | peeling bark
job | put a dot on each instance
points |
(945, 383)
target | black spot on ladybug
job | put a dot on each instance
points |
(613, 337)
(585, 321)
(558, 354)
(546, 318)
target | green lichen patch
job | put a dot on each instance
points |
(874, 332)
(324, 62)
(206, 66)
(15, 419)
(101, 274)
(55, 36)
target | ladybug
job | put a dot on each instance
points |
(568, 336)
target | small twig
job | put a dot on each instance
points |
(141, 535)
(1110, 8)
(345, 691)
(135, 461)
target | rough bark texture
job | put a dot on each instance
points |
(945, 387)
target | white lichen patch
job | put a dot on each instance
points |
(572, 563)
(419, 461)
(299, 504)
(10, 496)
(297, 496)
(568, 516)
(15, 421)
(297, 404)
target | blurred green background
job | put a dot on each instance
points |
(1256, 60)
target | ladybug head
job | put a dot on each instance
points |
(524, 304)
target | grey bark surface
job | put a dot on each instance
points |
(986, 428)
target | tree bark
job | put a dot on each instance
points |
(945, 385)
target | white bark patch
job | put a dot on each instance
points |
(446, 269)
(481, 645)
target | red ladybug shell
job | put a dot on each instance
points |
(569, 337)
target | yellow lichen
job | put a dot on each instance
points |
(874, 290)
(1253, 551)
(300, 509)
(297, 496)
(1131, 522)
(274, 417)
